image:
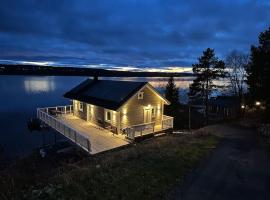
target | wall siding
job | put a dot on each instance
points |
(77, 112)
(134, 109)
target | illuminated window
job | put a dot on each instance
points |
(81, 106)
(140, 95)
(108, 116)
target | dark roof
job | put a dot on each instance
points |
(105, 93)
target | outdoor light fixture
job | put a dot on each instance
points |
(257, 103)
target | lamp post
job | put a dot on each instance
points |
(243, 107)
(189, 121)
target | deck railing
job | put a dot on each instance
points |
(167, 122)
(148, 128)
(48, 116)
(140, 130)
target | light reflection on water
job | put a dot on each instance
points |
(39, 84)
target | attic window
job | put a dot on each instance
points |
(140, 95)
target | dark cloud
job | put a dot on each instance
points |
(127, 32)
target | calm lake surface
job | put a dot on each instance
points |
(21, 95)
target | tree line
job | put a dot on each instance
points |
(247, 74)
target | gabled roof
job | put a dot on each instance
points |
(106, 93)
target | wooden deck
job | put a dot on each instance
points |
(101, 139)
(92, 138)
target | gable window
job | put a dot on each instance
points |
(108, 116)
(140, 95)
(81, 106)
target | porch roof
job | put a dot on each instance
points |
(105, 93)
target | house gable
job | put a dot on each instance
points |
(147, 89)
(132, 111)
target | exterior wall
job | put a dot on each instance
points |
(132, 113)
(77, 112)
(96, 115)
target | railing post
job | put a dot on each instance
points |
(88, 146)
(65, 109)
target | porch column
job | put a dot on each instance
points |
(87, 112)
(118, 119)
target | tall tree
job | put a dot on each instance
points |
(172, 94)
(208, 69)
(259, 69)
(236, 65)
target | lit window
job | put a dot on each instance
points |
(108, 116)
(81, 106)
(140, 95)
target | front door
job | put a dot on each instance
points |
(147, 115)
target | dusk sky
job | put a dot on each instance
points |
(121, 33)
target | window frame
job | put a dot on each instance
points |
(153, 114)
(80, 106)
(140, 95)
(106, 115)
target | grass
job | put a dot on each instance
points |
(147, 170)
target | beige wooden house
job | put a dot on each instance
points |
(108, 114)
(123, 107)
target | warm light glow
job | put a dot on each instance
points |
(257, 103)
(124, 111)
(243, 106)
(114, 116)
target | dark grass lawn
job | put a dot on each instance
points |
(146, 170)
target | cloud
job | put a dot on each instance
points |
(152, 33)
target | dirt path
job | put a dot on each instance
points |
(238, 169)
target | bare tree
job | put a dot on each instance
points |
(236, 64)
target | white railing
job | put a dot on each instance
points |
(144, 129)
(140, 130)
(167, 122)
(48, 116)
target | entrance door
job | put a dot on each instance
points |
(147, 115)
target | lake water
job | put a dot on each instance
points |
(21, 95)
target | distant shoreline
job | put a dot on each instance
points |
(8, 69)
